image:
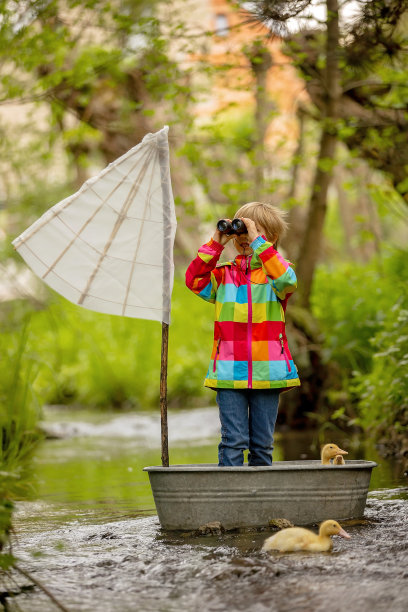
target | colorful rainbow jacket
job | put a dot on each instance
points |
(250, 349)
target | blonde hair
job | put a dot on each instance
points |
(269, 217)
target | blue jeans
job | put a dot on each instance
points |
(248, 418)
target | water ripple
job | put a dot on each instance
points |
(131, 564)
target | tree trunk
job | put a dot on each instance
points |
(311, 244)
(312, 241)
(261, 61)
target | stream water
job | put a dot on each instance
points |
(89, 532)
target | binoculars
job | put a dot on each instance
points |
(236, 226)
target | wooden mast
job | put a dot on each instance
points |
(168, 205)
(163, 396)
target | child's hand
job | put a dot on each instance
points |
(253, 231)
(222, 238)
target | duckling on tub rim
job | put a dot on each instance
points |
(330, 452)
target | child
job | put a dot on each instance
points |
(250, 361)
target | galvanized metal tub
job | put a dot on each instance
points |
(304, 492)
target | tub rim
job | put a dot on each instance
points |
(277, 466)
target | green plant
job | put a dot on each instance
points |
(383, 392)
(19, 435)
(106, 361)
(363, 313)
(351, 302)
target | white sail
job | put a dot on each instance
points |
(109, 247)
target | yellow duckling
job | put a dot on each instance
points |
(329, 451)
(298, 538)
(339, 460)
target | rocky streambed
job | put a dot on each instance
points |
(90, 534)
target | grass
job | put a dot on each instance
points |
(99, 360)
(19, 435)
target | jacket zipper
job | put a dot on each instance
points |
(284, 353)
(216, 354)
(248, 275)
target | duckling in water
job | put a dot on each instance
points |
(329, 451)
(298, 538)
(338, 460)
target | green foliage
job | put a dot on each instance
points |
(18, 433)
(101, 360)
(18, 406)
(6, 508)
(105, 64)
(234, 127)
(384, 391)
(221, 153)
(351, 302)
(326, 164)
(363, 313)
(347, 317)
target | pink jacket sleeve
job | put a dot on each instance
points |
(200, 275)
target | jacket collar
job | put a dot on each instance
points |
(238, 261)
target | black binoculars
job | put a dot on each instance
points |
(236, 226)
